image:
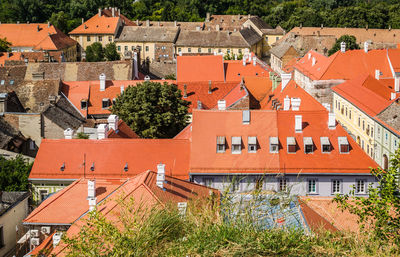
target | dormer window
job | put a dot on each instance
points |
(291, 144)
(105, 103)
(2, 82)
(221, 144)
(308, 145)
(273, 145)
(236, 145)
(325, 145)
(84, 104)
(344, 146)
(252, 144)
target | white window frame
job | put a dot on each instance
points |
(316, 186)
(357, 191)
(333, 182)
(283, 184)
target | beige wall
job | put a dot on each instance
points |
(147, 49)
(206, 50)
(9, 221)
(52, 130)
(84, 42)
(28, 124)
(270, 39)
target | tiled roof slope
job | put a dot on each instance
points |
(12, 76)
(147, 34)
(7, 133)
(258, 87)
(227, 22)
(183, 25)
(109, 157)
(390, 116)
(200, 68)
(235, 70)
(123, 131)
(36, 35)
(18, 58)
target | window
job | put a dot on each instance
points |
(126, 48)
(343, 145)
(361, 186)
(219, 50)
(208, 182)
(346, 111)
(362, 144)
(1, 237)
(325, 145)
(283, 184)
(220, 144)
(189, 50)
(43, 195)
(139, 47)
(240, 51)
(179, 50)
(88, 38)
(363, 127)
(336, 104)
(312, 186)
(252, 147)
(229, 51)
(308, 145)
(12, 82)
(276, 39)
(2, 82)
(199, 50)
(372, 132)
(359, 122)
(336, 186)
(32, 145)
(236, 145)
(291, 144)
(105, 103)
(132, 48)
(350, 114)
(266, 38)
(110, 38)
(273, 145)
(163, 48)
(119, 48)
(147, 48)
(367, 148)
(100, 38)
(209, 50)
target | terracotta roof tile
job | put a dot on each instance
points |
(235, 70)
(200, 68)
(123, 131)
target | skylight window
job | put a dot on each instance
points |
(12, 82)
(273, 145)
(236, 145)
(252, 147)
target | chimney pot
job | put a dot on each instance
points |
(113, 122)
(209, 87)
(102, 131)
(377, 74)
(68, 133)
(221, 105)
(343, 47)
(392, 95)
(298, 126)
(366, 46)
(99, 12)
(286, 103)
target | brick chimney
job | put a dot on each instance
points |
(102, 79)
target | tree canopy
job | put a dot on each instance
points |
(152, 110)
(95, 52)
(351, 44)
(110, 52)
(4, 45)
(14, 174)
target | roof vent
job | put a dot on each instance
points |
(298, 126)
(366, 46)
(221, 105)
(92, 194)
(343, 47)
(286, 103)
(209, 87)
(309, 56)
(102, 79)
(62, 168)
(102, 131)
(92, 167)
(113, 122)
(126, 167)
(68, 133)
(147, 78)
(160, 175)
(296, 103)
(199, 105)
(331, 121)
(286, 77)
(246, 116)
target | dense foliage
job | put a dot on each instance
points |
(4, 45)
(351, 44)
(331, 13)
(153, 110)
(14, 174)
(97, 53)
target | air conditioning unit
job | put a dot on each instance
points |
(35, 241)
(57, 238)
(45, 230)
(34, 233)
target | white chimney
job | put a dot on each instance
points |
(236, 57)
(102, 131)
(244, 60)
(68, 133)
(298, 125)
(366, 46)
(147, 23)
(397, 84)
(160, 175)
(392, 96)
(56, 238)
(221, 105)
(180, 53)
(254, 61)
(377, 74)
(92, 194)
(122, 89)
(250, 57)
(102, 78)
(286, 77)
(286, 103)
(343, 47)
(332, 120)
(327, 106)
(313, 61)
(309, 56)
(147, 78)
(99, 13)
(113, 122)
(296, 103)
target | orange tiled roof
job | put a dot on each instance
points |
(46, 245)
(103, 24)
(259, 87)
(109, 157)
(234, 96)
(200, 68)
(368, 94)
(123, 131)
(39, 36)
(235, 70)
(186, 133)
(16, 56)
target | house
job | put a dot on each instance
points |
(281, 55)
(39, 37)
(13, 209)
(61, 162)
(102, 27)
(147, 189)
(12, 139)
(21, 58)
(155, 44)
(305, 152)
(368, 107)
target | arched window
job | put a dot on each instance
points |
(385, 162)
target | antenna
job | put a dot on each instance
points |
(84, 165)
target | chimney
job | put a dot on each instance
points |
(113, 11)
(158, 23)
(113, 122)
(184, 91)
(392, 96)
(175, 24)
(38, 28)
(137, 22)
(99, 12)
(135, 65)
(313, 61)
(331, 121)
(119, 12)
(102, 131)
(102, 78)
(249, 16)
(286, 77)
(298, 126)
(244, 60)
(296, 101)
(122, 89)
(68, 133)
(235, 57)
(209, 87)
(199, 105)
(48, 24)
(147, 23)
(322, 26)
(221, 105)
(160, 175)
(397, 84)
(180, 53)
(309, 56)
(217, 27)
(92, 194)
(343, 47)
(377, 74)
(208, 17)
(83, 20)
(366, 46)
(254, 61)
(57, 238)
(286, 103)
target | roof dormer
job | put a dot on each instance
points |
(325, 145)
(344, 146)
(236, 145)
(308, 145)
(291, 144)
(221, 144)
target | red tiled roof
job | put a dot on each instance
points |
(368, 94)
(200, 68)
(123, 131)
(39, 36)
(235, 70)
(292, 90)
(46, 245)
(16, 56)
(109, 157)
(98, 25)
(259, 87)
(70, 203)
(186, 133)
(235, 95)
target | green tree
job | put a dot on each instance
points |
(380, 211)
(351, 44)
(82, 135)
(14, 174)
(153, 110)
(110, 52)
(4, 45)
(95, 52)
(60, 21)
